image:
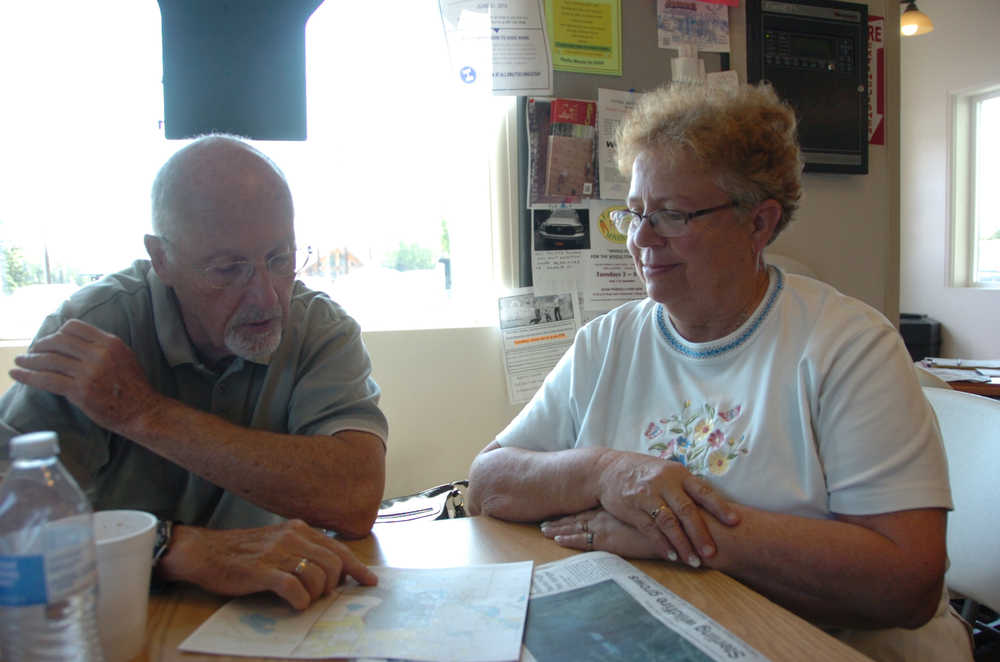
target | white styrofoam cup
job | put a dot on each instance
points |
(124, 541)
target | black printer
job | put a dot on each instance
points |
(921, 335)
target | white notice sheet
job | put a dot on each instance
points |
(499, 45)
(612, 106)
(536, 330)
(471, 614)
(610, 278)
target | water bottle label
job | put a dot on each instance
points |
(22, 581)
(66, 565)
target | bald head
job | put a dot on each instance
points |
(219, 205)
(214, 177)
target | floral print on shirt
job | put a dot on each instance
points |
(699, 438)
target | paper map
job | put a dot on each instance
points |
(474, 613)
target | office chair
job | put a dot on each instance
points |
(928, 378)
(970, 428)
(789, 265)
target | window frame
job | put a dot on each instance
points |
(497, 216)
(963, 151)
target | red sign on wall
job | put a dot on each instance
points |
(876, 80)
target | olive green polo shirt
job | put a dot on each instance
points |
(318, 381)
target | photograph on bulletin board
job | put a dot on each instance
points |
(703, 25)
(561, 229)
(562, 151)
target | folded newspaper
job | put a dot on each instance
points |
(598, 606)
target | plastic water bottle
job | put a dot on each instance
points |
(48, 571)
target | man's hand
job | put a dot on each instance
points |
(94, 370)
(661, 499)
(242, 561)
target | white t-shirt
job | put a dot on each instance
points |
(810, 408)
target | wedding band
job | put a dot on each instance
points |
(590, 540)
(301, 566)
(656, 511)
(583, 525)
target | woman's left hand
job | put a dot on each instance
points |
(599, 529)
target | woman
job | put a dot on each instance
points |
(759, 423)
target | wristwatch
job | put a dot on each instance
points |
(164, 530)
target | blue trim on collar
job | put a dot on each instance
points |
(680, 348)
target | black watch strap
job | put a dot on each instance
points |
(164, 531)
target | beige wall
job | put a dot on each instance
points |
(8, 350)
(956, 56)
(445, 396)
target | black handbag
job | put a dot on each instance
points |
(445, 501)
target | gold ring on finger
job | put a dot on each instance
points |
(656, 511)
(301, 566)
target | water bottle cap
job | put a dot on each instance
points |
(34, 445)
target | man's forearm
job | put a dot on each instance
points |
(331, 481)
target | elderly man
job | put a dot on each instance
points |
(210, 388)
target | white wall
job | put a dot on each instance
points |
(957, 55)
(445, 396)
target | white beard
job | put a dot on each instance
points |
(253, 346)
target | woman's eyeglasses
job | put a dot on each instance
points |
(665, 222)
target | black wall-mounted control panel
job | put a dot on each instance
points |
(814, 53)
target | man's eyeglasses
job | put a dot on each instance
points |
(665, 222)
(239, 272)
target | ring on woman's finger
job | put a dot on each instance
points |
(656, 511)
(584, 526)
(301, 566)
(590, 540)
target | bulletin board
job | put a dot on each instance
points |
(645, 66)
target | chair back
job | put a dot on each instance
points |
(928, 378)
(970, 428)
(789, 264)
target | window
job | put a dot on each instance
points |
(395, 189)
(975, 198)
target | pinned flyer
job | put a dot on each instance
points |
(700, 23)
(537, 330)
(500, 46)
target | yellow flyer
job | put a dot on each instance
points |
(586, 35)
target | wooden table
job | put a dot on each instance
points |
(775, 632)
(988, 389)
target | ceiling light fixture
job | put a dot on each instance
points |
(913, 21)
